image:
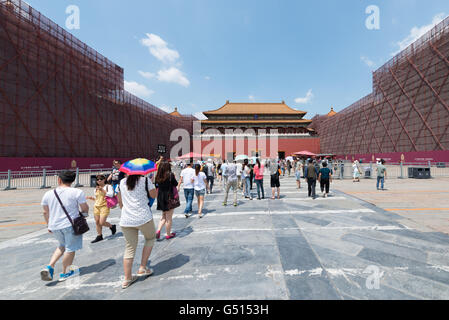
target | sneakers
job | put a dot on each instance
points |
(65, 276)
(235, 204)
(171, 236)
(158, 235)
(47, 273)
(113, 229)
(225, 204)
(98, 239)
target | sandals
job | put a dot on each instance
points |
(127, 283)
(148, 272)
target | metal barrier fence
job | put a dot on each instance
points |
(44, 179)
(400, 171)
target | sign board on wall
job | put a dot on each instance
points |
(161, 148)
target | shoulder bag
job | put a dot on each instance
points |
(79, 225)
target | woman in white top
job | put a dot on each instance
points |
(200, 185)
(136, 216)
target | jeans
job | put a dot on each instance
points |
(248, 187)
(381, 180)
(259, 184)
(189, 194)
(311, 182)
(210, 180)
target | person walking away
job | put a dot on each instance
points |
(289, 167)
(298, 173)
(251, 176)
(311, 174)
(189, 191)
(325, 178)
(219, 172)
(231, 173)
(167, 192)
(381, 174)
(223, 170)
(101, 209)
(282, 165)
(210, 175)
(239, 175)
(200, 184)
(60, 226)
(246, 172)
(136, 216)
(116, 176)
(275, 172)
(258, 177)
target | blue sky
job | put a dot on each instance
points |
(196, 54)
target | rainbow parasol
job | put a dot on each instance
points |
(138, 167)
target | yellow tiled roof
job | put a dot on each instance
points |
(255, 108)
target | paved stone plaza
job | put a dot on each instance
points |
(294, 248)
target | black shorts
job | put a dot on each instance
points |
(275, 181)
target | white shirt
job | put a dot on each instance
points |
(199, 183)
(210, 169)
(187, 175)
(231, 172)
(71, 198)
(223, 168)
(239, 169)
(136, 211)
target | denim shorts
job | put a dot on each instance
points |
(298, 175)
(68, 239)
(199, 193)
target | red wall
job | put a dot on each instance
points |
(37, 164)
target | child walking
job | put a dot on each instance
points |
(101, 209)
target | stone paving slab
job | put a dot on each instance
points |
(294, 248)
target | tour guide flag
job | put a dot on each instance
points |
(138, 167)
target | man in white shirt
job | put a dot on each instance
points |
(239, 175)
(231, 173)
(60, 226)
(223, 170)
(189, 191)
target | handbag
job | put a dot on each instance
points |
(111, 202)
(79, 224)
(173, 201)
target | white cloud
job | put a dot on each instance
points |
(158, 48)
(173, 75)
(207, 78)
(367, 61)
(417, 32)
(252, 98)
(138, 89)
(147, 75)
(309, 96)
(200, 116)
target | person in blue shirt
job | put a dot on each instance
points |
(325, 177)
